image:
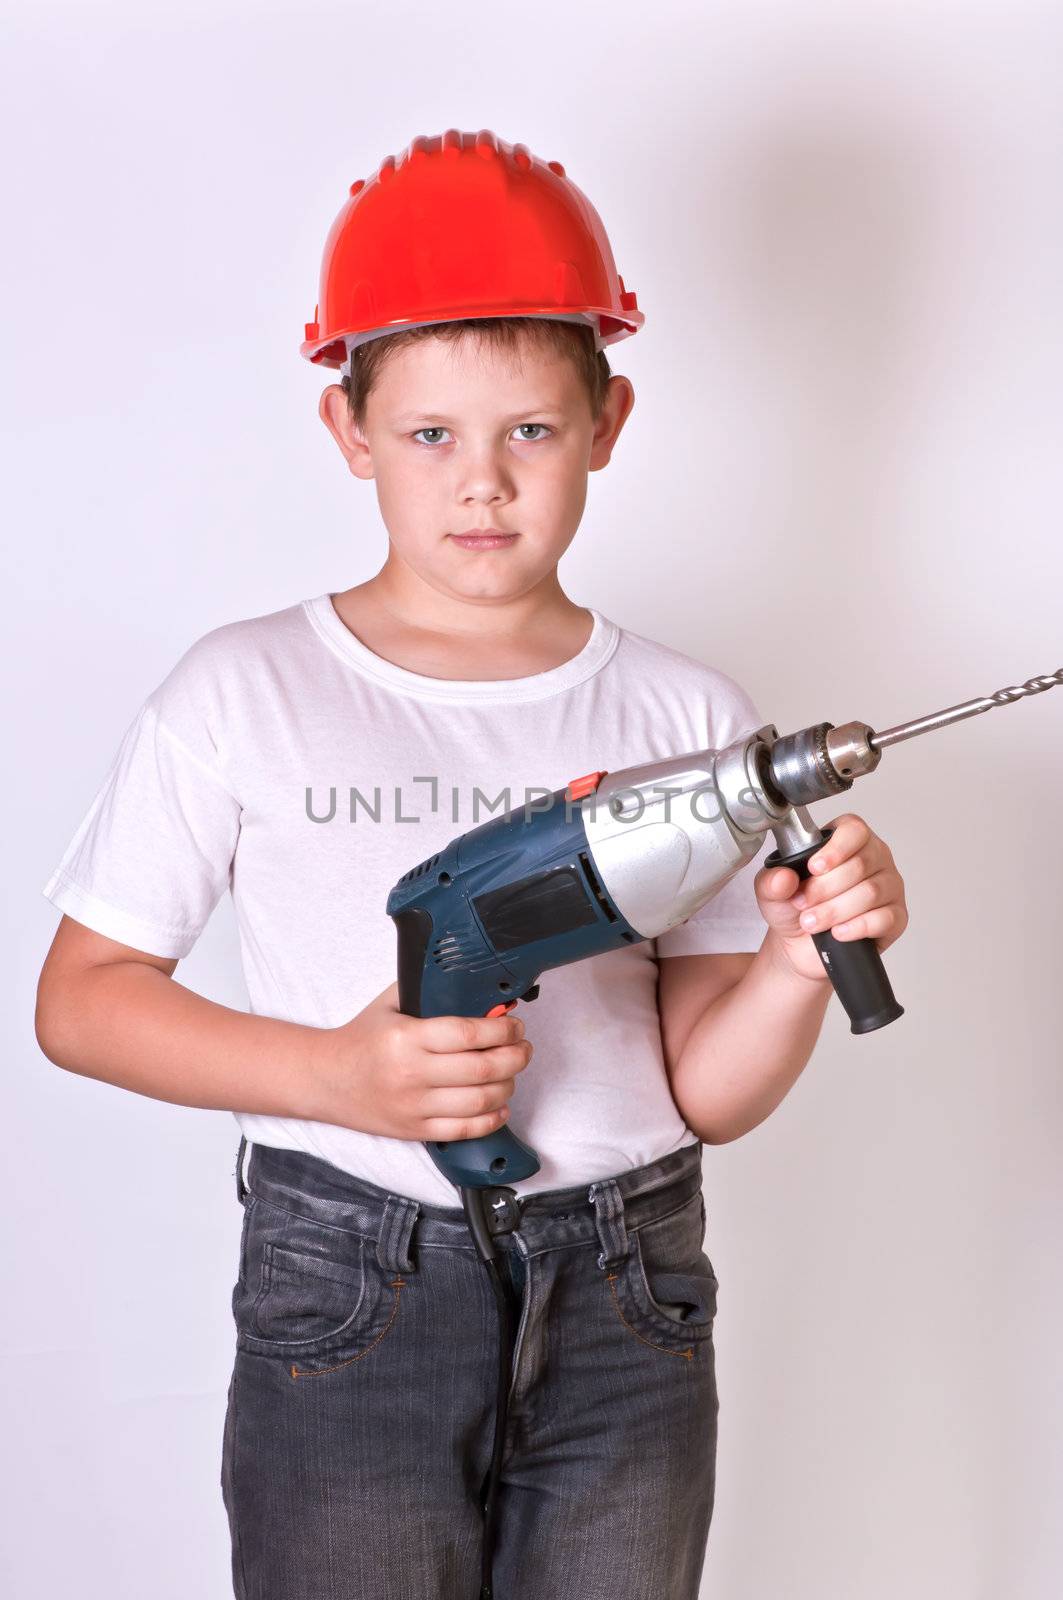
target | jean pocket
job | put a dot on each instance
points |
(666, 1287)
(306, 1299)
(304, 1286)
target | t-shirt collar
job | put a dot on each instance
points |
(324, 618)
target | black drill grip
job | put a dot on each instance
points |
(491, 1158)
(854, 966)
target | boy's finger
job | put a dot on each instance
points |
(780, 883)
(849, 833)
(451, 1033)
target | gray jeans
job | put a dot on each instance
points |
(360, 1416)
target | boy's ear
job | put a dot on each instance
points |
(335, 414)
(619, 399)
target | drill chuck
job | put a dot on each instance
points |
(821, 761)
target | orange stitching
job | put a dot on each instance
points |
(687, 1354)
(398, 1284)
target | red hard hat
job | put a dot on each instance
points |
(460, 226)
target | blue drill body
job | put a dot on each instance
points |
(481, 920)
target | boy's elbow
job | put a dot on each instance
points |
(52, 1022)
(65, 1012)
(62, 1012)
(717, 1137)
(74, 1017)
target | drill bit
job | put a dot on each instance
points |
(969, 708)
(826, 759)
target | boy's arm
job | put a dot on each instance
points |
(108, 1011)
(111, 1012)
(730, 1066)
(737, 1032)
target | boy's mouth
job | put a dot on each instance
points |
(484, 539)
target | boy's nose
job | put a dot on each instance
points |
(484, 480)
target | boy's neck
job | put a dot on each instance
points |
(415, 627)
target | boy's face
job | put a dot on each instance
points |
(462, 437)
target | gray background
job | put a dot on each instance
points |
(841, 484)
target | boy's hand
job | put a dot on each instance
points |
(427, 1078)
(855, 890)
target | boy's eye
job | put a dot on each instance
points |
(530, 433)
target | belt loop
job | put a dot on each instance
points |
(241, 1187)
(396, 1231)
(608, 1205)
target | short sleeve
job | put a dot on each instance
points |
(731, 922)
(153, 854)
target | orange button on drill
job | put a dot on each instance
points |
(500, 1010)
(579, 788)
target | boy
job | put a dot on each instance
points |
(471, 288)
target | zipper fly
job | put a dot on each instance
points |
(519, 1344)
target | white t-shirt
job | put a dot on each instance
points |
(285, 760)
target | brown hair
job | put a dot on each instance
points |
(572, 339)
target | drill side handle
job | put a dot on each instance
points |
(493, 1158)
(854, 966)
